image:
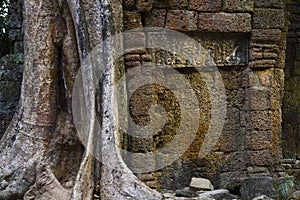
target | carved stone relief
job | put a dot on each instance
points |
(230, 49)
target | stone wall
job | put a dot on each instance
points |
(253, 31)
(15, 26)
(250, 144)
(11, 66)
(10, 86)
(291, 105)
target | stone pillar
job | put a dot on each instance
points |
(262, 116)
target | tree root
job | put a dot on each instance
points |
(15, 189)
(47, 187)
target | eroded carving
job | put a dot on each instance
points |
(216, 49)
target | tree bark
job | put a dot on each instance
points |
(41, 152)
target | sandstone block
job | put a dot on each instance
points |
(239, 5)
(132, 57)
(262, 197)
(156, 18)
(186, 192)
(133, 64)
(216, 194)
(224, 22)
(269, 4)
(225, 141)
(144, 5)
(171, 4)
(268, 35)
(258, 140)
(132, 20)
(129, 4)
(182, 20)
(258, 120)
(266, 63)
(231, 180)
(234, 161)
(268, 19)
(258, 99)
(201, 184)
(260, 158)
(134, 42)
(297, 68)
(256, 186)
(205, 5)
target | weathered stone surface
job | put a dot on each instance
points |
(285, 187)
(258, 170)
(296, 195)
(171, 4)
(258, 140)
(205, 5)
(231, 180)
(256, 186)
(297, 68)
(225, 141)
(182, 20)
(134, 42)
(224, 49)
(234, 161)
(143, 5)
(10, 91)
(146, 58)
(132, 20)
(258, 98)
(216, 194)
(239, 5)
(10, 87)
(269, 35)
(132, 57)
(201, 184)
(269, 4)
(290, 105)
(268, 19)
(129, 4)
(266, 63)
(186, 192)
(260, 158)
(15, 34)
(133, 64)
(265, 56)
(224, 22)
(259, 120)
(156, 18)
(262, 197)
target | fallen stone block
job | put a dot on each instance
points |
(186, 192)
(216, 194)
(201, 184)
(257, 186)
(263, 197)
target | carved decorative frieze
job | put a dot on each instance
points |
(220, 49)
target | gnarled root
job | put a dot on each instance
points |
(47, 187)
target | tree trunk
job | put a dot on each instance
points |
(41, 154)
